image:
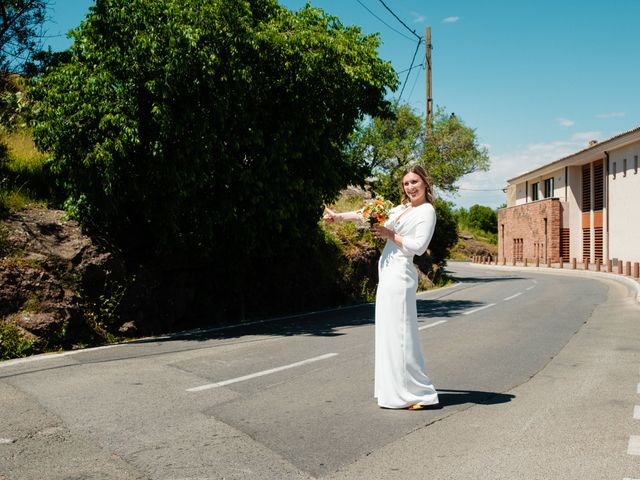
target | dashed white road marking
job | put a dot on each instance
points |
(7, 441)
(638, 389)
(469, 312)
(432, 324)
(530, 288)
(634, 445)
(260, 374)
(513, 296)
(636, 412)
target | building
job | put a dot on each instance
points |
(584, 206)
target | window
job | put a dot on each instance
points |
(518, 250)
(548, 188)
(635, 164)
(624, 167)
(614, 170)
(534, 191)
(598, 185)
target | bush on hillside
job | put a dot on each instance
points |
(209, 132)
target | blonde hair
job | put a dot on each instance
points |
(422, 173)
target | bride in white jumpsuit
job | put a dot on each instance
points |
(400, 378)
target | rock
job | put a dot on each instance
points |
(50, 274)
(40, 325)
(128, 329)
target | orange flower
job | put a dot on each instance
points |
(376, 211)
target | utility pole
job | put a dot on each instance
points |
(429, 98)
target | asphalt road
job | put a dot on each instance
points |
(537, 376)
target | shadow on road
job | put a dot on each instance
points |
(444, 308)
(323, 324)
(487, 279)
(461, 397)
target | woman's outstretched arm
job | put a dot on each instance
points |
(330, 216)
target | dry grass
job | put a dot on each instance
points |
(23, 154)
(21, 171)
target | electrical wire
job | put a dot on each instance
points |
(415, 82)
(407, 69)
(413, 32)
(397, 31)
(404, 84)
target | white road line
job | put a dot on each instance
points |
(513, 296)
(530, 288)
(260, 374)
(432, 324)
(636, 412)
(469, 312)
(638, 389)
(7, 441)
(634, 445)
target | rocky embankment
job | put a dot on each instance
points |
(52, 279)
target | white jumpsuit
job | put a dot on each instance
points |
(400, 378)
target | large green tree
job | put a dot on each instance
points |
(200, 126)
(387, 144)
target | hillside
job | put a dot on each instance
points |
(472, 244)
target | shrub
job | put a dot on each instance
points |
(190, 127)
(12, 343)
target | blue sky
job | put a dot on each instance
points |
(536, 79)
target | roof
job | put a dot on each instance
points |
(596, 148)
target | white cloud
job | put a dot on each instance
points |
(417, 18)
(485, 188)
(450, 19)
(565, 122)
(585, 136)
(611, 115)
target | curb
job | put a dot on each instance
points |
(630, 282)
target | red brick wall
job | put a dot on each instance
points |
(526, 222)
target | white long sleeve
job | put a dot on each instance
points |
(417, 242)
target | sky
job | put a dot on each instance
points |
(536, 79)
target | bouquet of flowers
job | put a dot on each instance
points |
(376, 211)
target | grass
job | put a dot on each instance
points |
(12, 343)
(348, 234)
(23, 154)
(23, 179)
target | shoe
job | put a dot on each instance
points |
(417, 406)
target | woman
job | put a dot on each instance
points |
(400, 380)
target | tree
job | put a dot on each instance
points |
(388, 144)
(483, 218)
(445, 235)
(20, 31)
(194, 127)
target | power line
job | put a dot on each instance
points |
(410, 68)
(415, 82)
(397, 31)
(398, 18)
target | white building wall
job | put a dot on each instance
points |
(521, 194)
(624, 204)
